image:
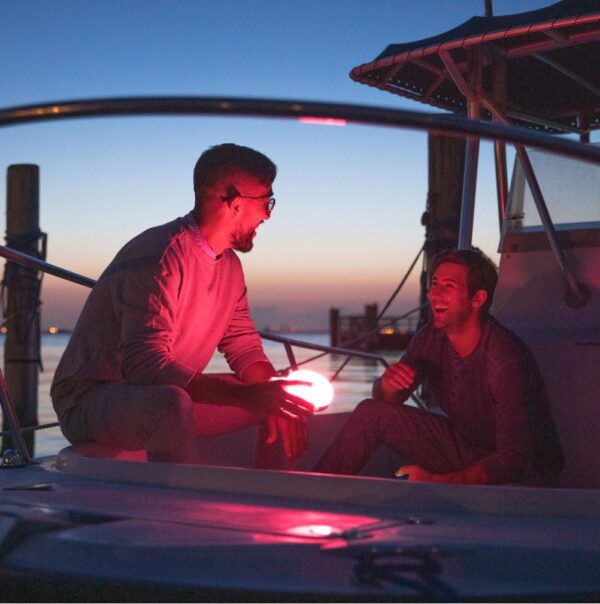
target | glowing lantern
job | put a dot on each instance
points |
(319, 393)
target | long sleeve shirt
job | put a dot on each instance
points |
(156, 316)
(494, 398)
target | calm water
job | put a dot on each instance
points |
(353, 385)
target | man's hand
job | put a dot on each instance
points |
(285, 412)
(293, 433)
(262, 395)
(398, 376)
(474, 474)
(415, 473)
(270, 398)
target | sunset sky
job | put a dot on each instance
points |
(349, 200)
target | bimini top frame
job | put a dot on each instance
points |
(341, 113)
(537, 65)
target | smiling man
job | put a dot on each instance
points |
(132, 374)
(495, 426)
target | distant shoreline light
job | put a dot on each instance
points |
(52, 330)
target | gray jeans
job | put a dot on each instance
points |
(425, 439)
(164, 420)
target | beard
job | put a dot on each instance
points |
(243, 242)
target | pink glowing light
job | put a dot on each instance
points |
(314, 530)
(322, 121)
(319, 393)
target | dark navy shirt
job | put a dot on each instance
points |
(494, 398)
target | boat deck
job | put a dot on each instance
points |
(173, 531)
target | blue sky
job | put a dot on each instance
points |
(347, 223)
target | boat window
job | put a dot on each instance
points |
(571, 189)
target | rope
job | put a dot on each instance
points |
(400, 285)
(375, 327)
(18, 277)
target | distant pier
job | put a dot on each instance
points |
(364, 332)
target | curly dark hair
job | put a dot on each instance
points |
(482, 272)
(228, 157)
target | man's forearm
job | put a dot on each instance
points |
(399, 396)
(377, 391)
(213, 390)
(259, 371)
(474, 474)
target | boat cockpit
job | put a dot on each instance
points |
(548, 284)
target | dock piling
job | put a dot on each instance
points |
(22, 297)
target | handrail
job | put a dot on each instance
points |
(295, 109)
(289, 342)
(46, 267)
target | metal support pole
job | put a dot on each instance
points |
(290, 355)
(501, 179)
(22, 347)
(499, 76)
(467, 210)
(577, 294)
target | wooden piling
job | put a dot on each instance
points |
(22, 347)
(334, 326)
(442, 216)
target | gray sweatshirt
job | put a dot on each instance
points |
(156, 316)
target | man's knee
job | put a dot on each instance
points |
(169, 427)
(169, 406)
(364, 406)
(371, 407)
(383, 418)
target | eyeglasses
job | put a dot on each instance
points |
(269, 203)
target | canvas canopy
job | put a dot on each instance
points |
(539, 68)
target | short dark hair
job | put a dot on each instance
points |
(219, 160)
(482, 272)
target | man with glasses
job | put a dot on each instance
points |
(132, 374)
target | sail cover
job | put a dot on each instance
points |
(549, 59)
